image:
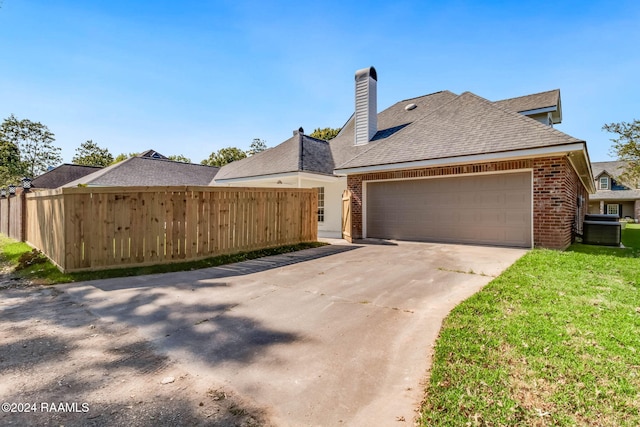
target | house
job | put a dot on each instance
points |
(299, 162)
(148, 169)
(440, 167)
(62, 175)
(614, 195)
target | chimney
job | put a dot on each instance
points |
(366, 116)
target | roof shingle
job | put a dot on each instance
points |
(298, 153)
(147, 171)
(465, 125)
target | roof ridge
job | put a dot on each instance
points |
(422, 96)
(525, 96)
(172, 161)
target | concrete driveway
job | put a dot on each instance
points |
(337, 335)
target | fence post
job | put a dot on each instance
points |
(23, 215)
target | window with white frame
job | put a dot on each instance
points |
(604, 182)
(613, 210)
(320, 204)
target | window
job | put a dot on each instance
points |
(604, 182)
(320, 204)
(613, 210)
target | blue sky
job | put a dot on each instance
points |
(191, 77)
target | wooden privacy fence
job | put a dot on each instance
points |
(106, 227)
(11, 216)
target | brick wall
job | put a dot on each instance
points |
(556, 188)
(556, 214)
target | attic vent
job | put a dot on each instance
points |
(410, 107)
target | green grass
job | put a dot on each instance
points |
(554, 340)
(46, 273)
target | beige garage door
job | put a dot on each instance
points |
(480, 209)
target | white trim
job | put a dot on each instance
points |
(606, 178)
(538, 111)
(589, 184)
(365, 191)
(364, 208)
(473, 158)
(453, 175)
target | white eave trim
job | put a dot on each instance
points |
(539, 111)
(474, 158)
(305, 175)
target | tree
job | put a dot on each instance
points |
(326, 133)
(179, 158)
(11, 168)
(90, 154)
(257, 146)
(35, 143)
(627, 146)
(224, 156)
(123, 156)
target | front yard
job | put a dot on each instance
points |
(554, 340)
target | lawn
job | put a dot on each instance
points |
(20, 259)
(554, 340)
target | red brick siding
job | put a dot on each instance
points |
(555, 190)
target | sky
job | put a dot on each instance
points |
(191, 77)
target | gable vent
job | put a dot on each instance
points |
(366, 115)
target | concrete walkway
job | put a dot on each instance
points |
(337, 335)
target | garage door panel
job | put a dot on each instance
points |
(484, 209)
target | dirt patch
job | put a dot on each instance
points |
(62, 365)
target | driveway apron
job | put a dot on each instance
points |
(336, 335)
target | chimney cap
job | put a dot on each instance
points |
(299, 131)
(364, 72)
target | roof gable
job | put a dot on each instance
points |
(613, 169)
(542, 102)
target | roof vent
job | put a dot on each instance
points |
(410, 107)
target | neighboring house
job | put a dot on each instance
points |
(299, 162)
(440, 167)
(613, 194)
(148, 169)
(61, 175)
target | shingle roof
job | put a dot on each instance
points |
(466, 125)
(62, 174)
(147, 171)
(535, 101)
(296, 154)
(615, 195)
(613, 168)
(441, 125)
(390, 121)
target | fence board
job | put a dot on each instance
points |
(95, 228)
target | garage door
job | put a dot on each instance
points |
(479, 209)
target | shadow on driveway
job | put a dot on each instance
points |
(230, 270)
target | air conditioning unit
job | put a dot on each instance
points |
(607, 233)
